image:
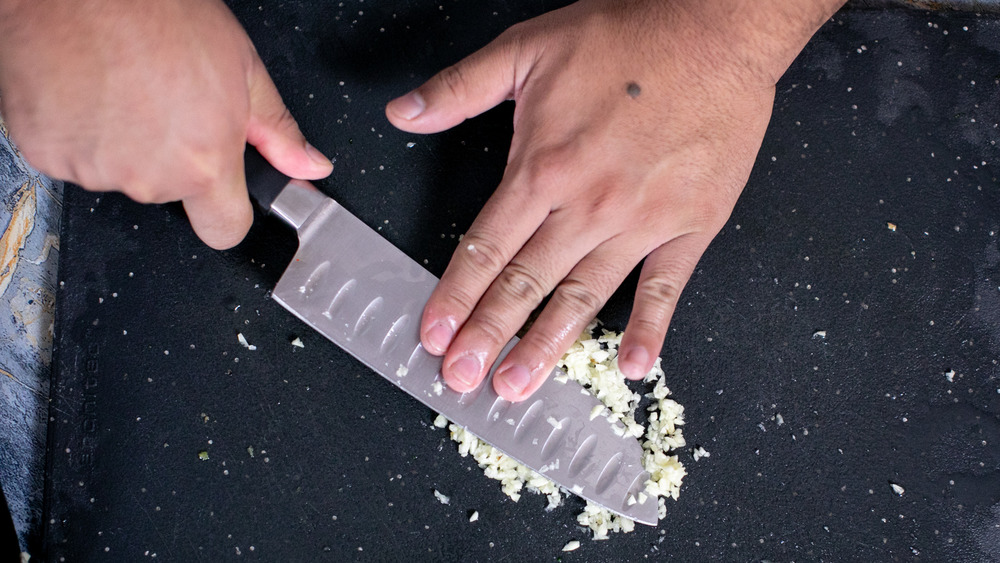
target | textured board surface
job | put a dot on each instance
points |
(810, 349)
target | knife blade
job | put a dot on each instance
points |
(359, 291)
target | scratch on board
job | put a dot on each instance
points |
(22, 221)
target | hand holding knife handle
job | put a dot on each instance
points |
(292, 200)
(264, 182)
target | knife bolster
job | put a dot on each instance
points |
(296, 202)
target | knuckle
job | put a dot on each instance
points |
(135, 186)
(284, 120)
(543, 346)
(645, 325)
(484, 253)
(612, 195)
(87, 173)
(709, 213)
(141, 194)
(512, 34)
(523, 284)
(456, 298)
(146, 193)
(516, 42)
(548, 167)
(452, 79)
(659, 293)
(578, 298)
(493, 329)
(149, 186)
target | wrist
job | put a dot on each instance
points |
(759, 38)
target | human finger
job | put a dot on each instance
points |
(221, 213)
(662, 279)
(469, 87)
(552, 252)
(506, 222)
(574, 304)
(275, 133)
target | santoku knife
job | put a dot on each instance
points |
(367, 296)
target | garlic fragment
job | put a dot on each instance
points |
(243, 342)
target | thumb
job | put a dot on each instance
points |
(274, 132)
(463, 90)
(222, 215)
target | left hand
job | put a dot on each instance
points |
(635, 131)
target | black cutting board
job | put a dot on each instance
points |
(883, 119)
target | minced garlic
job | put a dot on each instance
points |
(592, 362)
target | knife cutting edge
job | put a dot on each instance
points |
(359, 291)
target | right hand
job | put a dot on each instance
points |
(155, 99)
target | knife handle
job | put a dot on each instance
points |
(264, 182)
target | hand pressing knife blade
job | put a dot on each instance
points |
(367, 296)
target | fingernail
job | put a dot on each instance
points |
(439, 338)
(516, 378)
(316, 156)
(466, 369)
(408, 106)
(635, 362)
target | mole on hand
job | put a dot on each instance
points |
(633, 90)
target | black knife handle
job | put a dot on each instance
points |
(264, 182)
